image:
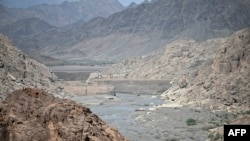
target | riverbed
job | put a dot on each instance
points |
(140, 118)
(139, 113)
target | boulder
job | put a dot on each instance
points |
(182, 83)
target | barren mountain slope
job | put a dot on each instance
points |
(177, 58)
(223, 83)
(18, 71)
(27, 27)
(147, 27)
(215, 72)
(63, 14)
(140, 30)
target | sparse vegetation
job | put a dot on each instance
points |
(191, 121)
(247, 112)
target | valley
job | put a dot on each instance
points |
(138, 111)
(95, 70)
(156, 107)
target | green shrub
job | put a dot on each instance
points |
(247, 112)
(51, 79)
(191, 121)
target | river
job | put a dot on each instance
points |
(133, 116)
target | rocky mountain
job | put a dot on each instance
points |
(29, 3)
(25, 28)
(63, 14)
(222, 84)
(17, 71)
(139, 30)
(180, 56)
(213, 73)
(146, 28)
(32, 114)
(29, 28)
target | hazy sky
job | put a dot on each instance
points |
(127, 2)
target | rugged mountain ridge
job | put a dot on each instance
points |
(214, 72)
(29, 28)
(63, 14)
(149, 26)
(32, 114)
(17, 71)
(29, 3)
(26, 28)
(140, 30)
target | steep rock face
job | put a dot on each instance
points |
(32, 114)
(223, 83)
(17, 70)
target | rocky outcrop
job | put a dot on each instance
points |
(32, 114)
(223, 84)
(17, 70)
